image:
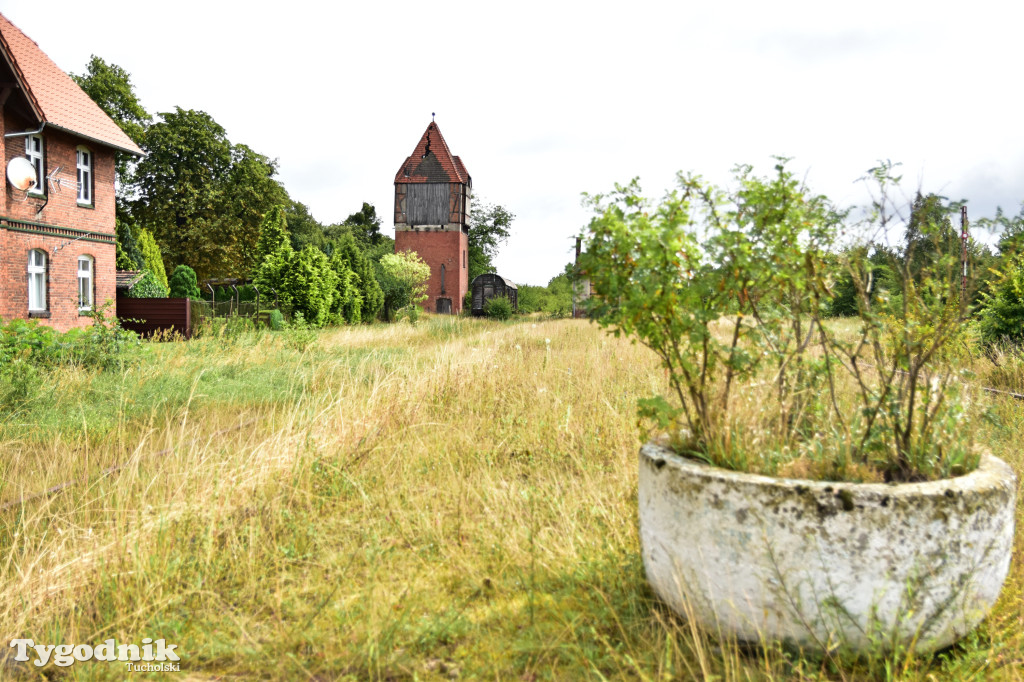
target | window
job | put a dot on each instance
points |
(84, 176)
(36, 280)
(463, 259)
(85, 282)
(34, 153)
(442, 280)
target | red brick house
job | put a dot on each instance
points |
(432, 190)
(57, 235)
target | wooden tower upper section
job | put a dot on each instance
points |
(432, 188)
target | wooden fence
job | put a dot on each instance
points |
(147, 315)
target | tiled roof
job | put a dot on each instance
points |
(58, 98)
(432, 161)
(126, 279)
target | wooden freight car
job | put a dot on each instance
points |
(487, 286)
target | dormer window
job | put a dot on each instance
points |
(84, 176)
(34, 154)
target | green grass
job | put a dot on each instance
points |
(454, 499)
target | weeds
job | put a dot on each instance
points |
(411, 502)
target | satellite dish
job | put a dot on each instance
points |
(20, 173)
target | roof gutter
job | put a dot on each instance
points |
(138, 153)
(31, 132)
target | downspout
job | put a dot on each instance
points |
(26, 134)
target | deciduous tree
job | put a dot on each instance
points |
(203, 197)
(489, 227)
(110, 86)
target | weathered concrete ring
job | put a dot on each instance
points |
(822, 565)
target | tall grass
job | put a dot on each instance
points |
(451, 500)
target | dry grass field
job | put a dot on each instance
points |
(451, 500)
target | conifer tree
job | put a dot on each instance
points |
(154, 262)
(273, 233)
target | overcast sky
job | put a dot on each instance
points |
(546, 100)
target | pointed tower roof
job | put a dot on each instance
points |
(56, 99)
(432, 161)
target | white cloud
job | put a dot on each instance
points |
(546, 100)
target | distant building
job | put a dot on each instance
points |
(432, 191)
(491, 285)
(581, 288)
(57, 234)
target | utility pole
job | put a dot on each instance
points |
(963, 260)
(575, 276)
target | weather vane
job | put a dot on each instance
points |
(432, 115)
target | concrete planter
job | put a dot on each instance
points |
(819, 564)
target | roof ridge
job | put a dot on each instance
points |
(57, 98)
(432, 143)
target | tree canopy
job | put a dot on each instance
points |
(110, 86)
(365, 224)
(203, 197)
(489, 227)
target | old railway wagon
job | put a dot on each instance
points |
(487, 286)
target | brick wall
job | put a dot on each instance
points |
(60, 207)
(436, 248)
(35, 222)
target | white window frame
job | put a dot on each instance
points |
(36, 271)
(85, 282)
(36, 157)
(83, 161)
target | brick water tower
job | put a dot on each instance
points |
(432, 190)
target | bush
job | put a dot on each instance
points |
(1002, 310)
(147, 287)
(183, 284)
(370, 295)
(311, 283)
(103, 345)
(410, 312)
(300, 335)
(270, 277)
(498, 308)
(19, 383)
(403, 279)
(347, 303)
(276, 320)
(729, 287)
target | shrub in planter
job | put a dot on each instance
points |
(730, 289)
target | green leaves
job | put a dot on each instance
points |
(403, 279)
(716, 282)
(489, 227)
(203, 197)
(183, 284)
